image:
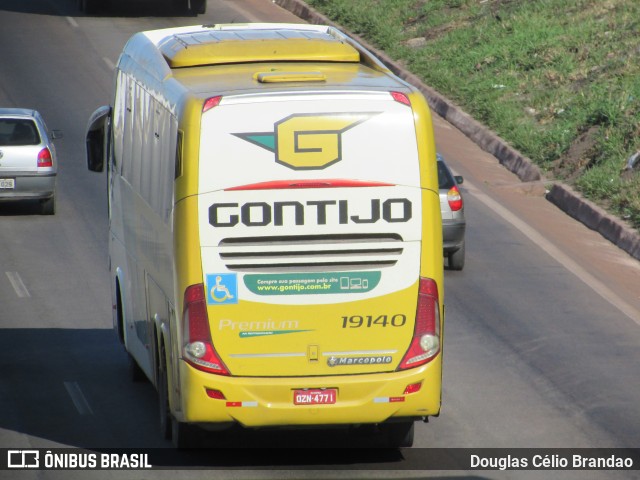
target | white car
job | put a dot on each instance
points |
(28, 164)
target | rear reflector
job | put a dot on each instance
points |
(215, 394)
(413, 388)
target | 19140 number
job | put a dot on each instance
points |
(368, 321)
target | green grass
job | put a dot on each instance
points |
(557, 79)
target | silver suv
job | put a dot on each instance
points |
(28, 164)
(453, 221)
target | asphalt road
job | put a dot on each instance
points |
(542, 344)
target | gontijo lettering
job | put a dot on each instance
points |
(317, 212)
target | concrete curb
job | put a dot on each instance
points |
(595, 218)
(564, 197)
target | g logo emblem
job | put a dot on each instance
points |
(307, 141)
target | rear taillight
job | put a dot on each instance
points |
(198, 348)
(425, 343)
(454, 198)
(44, 158)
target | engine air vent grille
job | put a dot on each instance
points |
(311, 252)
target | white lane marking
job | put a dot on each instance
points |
(18, 286)
(533, 235)
(78, 398)
(72, 22)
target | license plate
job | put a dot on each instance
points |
(316, 396)
(9, 183)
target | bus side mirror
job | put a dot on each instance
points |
(96, 138)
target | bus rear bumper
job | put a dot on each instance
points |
(265, 402)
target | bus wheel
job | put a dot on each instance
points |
(184, 435)
(398, 434)
(163, 397)
(135, 372)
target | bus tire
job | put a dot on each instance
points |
(135, 372)
(184, 435)
(163, 397)
(398, 434)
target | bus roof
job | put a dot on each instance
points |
(226, 46)
(239, 58)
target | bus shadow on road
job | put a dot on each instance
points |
(72, 387)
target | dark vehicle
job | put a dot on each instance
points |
(194, 7)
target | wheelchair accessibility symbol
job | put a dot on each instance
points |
(222, 288)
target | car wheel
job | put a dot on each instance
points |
(48, 206)
(180, 6)
(398, 434)
(456, 259)
(198, 7)
(87, 6)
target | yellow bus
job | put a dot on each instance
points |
(275, 240)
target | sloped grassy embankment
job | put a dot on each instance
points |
(557, 79)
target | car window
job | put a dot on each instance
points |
(18, 131)
(445, 179)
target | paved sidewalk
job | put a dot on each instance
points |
(564, 197)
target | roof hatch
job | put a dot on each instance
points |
(212, 47)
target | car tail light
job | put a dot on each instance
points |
(198, 348)
(454, 198)
(425, 343)
(44, 158)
